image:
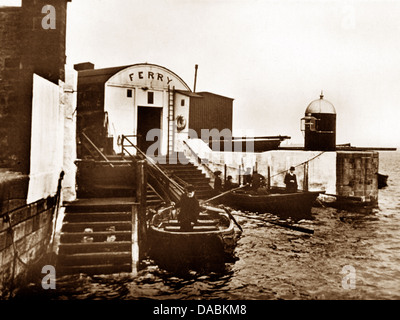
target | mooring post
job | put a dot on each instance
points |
(134, 239)
(224, 174)
(305, 180)
(141, 212)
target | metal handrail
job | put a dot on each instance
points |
(97, 149)
(199, 160)
(151, 163)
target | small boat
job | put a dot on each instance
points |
(382, 180)
(212, 240)
(296, 205)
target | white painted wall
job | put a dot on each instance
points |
(121, 111)
(321, 171)
(46, 139)
(69, 102)
(182, 135)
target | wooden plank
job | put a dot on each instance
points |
(195, 228)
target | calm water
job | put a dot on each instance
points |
(277, 263)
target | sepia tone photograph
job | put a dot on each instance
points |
(199, 151)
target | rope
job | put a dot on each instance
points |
(298, 165)
(11, 233)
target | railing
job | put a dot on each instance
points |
(241, 171)
(199, 160)
(168, 188)
(93, 149)
(223, 166)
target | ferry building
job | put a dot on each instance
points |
(133, 100)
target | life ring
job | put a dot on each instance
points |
(180, 122)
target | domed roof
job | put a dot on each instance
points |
(320, 106)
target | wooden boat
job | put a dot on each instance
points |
(212, 240)
(257, 144)
(296, 205)
(382, 180)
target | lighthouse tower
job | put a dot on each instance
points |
(319, 126)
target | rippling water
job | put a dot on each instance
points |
(278, 263)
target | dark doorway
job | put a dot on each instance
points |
(148, 118)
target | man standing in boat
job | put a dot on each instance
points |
(189, 209)
(247, 177)
(291, 180)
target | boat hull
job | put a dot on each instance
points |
(294, 205)
(181, 250)
(382, 180)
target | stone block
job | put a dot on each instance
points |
(3, 224)
(19, 231)
(19, 215)
(19, 267)
(8, 256)
(3, 240)
(28, 226)
(41, 206)
(21, 245)
(7, 273)
(33, 209)
(35, 222)
(32, 239)
(9, 239)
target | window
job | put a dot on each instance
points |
(150, 97)
(308, 123)
(129, 93)
(182, 102)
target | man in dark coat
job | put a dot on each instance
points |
(257, 181)
(189, 209)
(217, 182)
(228, 184)
(247, 177)
(291, 181)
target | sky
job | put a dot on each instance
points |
(272, 57)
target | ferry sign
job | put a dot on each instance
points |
(150, 75)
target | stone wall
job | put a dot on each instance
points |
(26, 48)
(25, 232)
(10, 51)
(357, 174)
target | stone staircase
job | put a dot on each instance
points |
(98, 233)
(96, 236)
(179, 166)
